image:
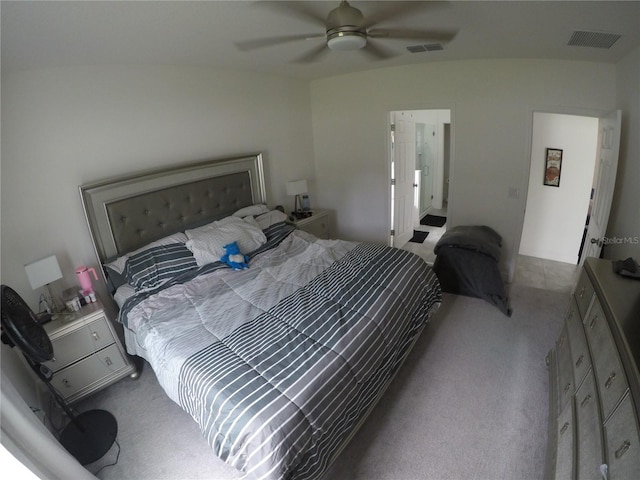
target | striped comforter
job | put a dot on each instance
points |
(279, 362)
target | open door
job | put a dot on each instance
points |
(607, 165)
(425, 148)
(403, 152)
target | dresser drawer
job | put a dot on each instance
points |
(578, 342)
(583, 293)
(565, 447)
(565, 372)
(610, 376)
(78, 343)
(89, 371)
(589, 428)
(623, 442)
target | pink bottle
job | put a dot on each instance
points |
(86, 286)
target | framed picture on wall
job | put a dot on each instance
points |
(552, 167)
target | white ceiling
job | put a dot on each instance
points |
(58, 33)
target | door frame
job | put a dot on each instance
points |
(524, 187)
(451, 198)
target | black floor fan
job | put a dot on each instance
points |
(88, 435)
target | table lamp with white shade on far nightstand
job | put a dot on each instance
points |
(298, 188)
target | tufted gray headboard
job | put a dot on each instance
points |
(128, 212)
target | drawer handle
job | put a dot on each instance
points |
(579, 361)
(582, 291)
(586, 400)
(567, 387)
(604, 471)
(108, 361)
(564, 428)
(95, 336)
(609, 381)
(593, 321)
(623, 448)
(66, 383)
(561, 340)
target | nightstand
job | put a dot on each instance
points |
(88, 355)
(317, 224)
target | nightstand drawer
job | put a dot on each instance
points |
(319, 228)
(317, 224)
(76, 344)
(87, 372)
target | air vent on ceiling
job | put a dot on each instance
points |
(431, 47)
(581, 38)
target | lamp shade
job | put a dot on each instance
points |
(43, 272)
(297, 188)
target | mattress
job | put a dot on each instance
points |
(279, 362)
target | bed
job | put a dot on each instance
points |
(278, 363)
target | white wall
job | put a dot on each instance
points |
(555, 216)
(65, 127)
(490, 101)
(624, 223)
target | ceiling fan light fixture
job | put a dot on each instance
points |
(344, 41)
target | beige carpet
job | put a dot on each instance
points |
(470, 403)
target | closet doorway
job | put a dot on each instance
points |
(419, 166)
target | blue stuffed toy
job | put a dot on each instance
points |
(234, 258)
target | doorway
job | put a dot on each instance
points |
(560, 214)
(419, 166)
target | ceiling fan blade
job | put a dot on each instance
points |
(270, 41)
(399, 9)
(313, 55)
(440, 35)
(297, 10)
(377, 52)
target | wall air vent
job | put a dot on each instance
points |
(581, 38)
(432, 47)
(416, 48)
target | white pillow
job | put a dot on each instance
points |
(251, 210)
(207, 242)
(251, 221)
(270, 218)
(119, 263)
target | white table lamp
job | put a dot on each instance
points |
(297, 188)
(42, 273)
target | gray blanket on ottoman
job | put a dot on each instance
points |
(467, 264)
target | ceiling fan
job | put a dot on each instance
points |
(346, 28)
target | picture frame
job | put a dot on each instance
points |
(552, 167)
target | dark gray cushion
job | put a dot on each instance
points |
(152, 267)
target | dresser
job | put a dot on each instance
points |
(594, 386)
(88, 355)
(317, 224)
